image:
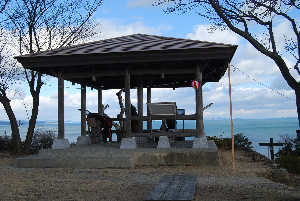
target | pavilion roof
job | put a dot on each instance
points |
(159, 61)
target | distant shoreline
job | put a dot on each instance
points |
(78, 122)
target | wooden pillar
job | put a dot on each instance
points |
(199, 105)
(83, 110)
(61, 108)
(140, 105)
(149, 122)
(100, 106)
(127, 103)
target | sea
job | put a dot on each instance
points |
(256, 130)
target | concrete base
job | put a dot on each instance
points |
(128, 143)
(61, 144)
(200, 143)
(163, 143)
(109, 155)
(81, 140)
(141, 139)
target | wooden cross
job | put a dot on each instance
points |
(271, 145)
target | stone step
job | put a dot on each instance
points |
(111, 156)
(83, 162)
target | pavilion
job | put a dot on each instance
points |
(134, 61)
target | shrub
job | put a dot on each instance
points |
(6, 143)
(240, 140)
(42, 139)
(221, 143)
(289, 162)
(289, 155)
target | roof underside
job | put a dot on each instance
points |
(160, 62)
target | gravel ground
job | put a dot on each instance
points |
(251, 181)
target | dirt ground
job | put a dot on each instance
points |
(250, 181)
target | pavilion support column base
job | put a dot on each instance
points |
(200, 143)
(163, 143)
(128, 143)
(81, 140)
(61, 144)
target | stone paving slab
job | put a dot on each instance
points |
(174, 187)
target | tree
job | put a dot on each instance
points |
(3, 5)
(43, 25)
(11, 75)
(247, 18)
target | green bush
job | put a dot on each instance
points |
(42, 139)
(219, 141)
(289, 155)
(240, 140)
(6, 143)
(289, 162)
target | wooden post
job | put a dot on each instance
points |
(199, 105)
(100, 106)
(61, 123)
(127, 103)
(83, 110)
(271, 147)
(149, 122)
(232, 137)
(140, 105)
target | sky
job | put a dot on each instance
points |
(249, 68)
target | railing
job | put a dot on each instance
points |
(154, 117)
(148, 133)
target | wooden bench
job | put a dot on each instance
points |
(174, 187)
(94, 129)
(164, 110)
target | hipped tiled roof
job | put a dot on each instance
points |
(160, 61)
(132, 43)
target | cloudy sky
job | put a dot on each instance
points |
(250, 99)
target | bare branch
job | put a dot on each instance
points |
(3, 5)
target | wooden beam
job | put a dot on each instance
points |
(127, 103)
(168, 134)
(83, 110)
(160, 117)
(140, 104)
(202, 64)
(149, 122)
(72, 75)
(61, 123)
(100, 107)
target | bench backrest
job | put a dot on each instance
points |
(162, 108)
(93, 122)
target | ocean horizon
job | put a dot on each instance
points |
(257, 130)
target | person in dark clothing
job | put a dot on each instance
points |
(106, 124)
